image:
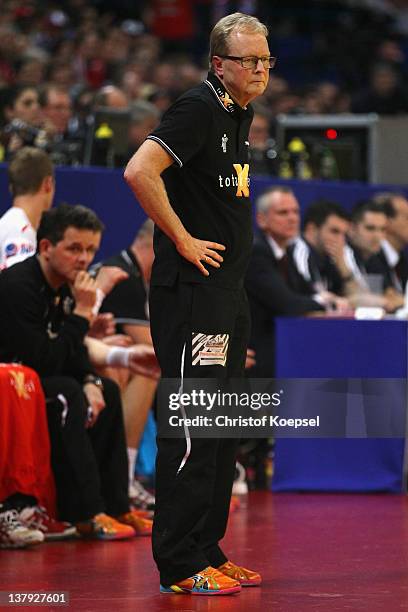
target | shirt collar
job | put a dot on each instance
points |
(276, 249)
(391, 255)
(224, 98)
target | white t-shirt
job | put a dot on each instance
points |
(18, 238)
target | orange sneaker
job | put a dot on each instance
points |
(141, 525)
(244, 576)
(104, 527)
(235, 503)
(207, 582)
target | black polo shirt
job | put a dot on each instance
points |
(128, 299)
(206, 133)
(37, 324)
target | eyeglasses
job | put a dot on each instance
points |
(29, 102)
(250, 63)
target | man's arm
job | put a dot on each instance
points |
(140, 334)
(25, 336)
(264, 284)
(143, 175)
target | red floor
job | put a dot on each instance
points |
(316, 552)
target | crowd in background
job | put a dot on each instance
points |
(59, 63)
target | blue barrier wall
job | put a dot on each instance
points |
(106, 192)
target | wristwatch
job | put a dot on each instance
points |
(93, 379)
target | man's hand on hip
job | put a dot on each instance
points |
(197, 251)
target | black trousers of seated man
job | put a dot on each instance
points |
(89, 465)
(192, 503)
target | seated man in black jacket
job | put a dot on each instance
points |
(367, 233)
(274, 286)
(319, 253)
(46, 306)
(392, 257)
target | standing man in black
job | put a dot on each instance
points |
(192, 178)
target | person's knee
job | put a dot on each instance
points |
(66, 397)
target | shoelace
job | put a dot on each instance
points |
(208, 576)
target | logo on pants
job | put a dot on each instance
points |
(209, 349)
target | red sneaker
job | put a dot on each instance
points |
(36, 517)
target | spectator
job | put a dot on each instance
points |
(56, 108)
(61, 74)
(384, 94)
(21, 120)
(319, 254)
(110, 96)
(31, 72)
(328, 94)
(131, 83)
(367, 231)
(273, 284)
(46, 306)
(22, 103)
(65, 138)
(261, 146)
(32, 186)
(144, 117)
(392, 254)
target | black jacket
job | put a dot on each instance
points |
(37, 327)
(378, 264)
(271, 296)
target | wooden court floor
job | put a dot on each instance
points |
(316, 552)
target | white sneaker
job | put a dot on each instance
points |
(240, 486)
(13, 534)
(139, 497)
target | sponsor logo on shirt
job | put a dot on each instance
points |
(22, 387)
(209, 349)
(240, 180)
(226, 100)
(12, 249)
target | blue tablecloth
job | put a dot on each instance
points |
(315, 348)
